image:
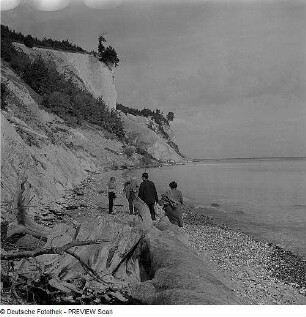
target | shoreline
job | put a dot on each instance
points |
(224, 216)
(258, 272)
(263, 264)
(233, 223)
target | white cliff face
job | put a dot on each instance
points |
(170, 132)
(96, 76)
(149, 139)
(85, 69)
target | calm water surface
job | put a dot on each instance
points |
(266, 199)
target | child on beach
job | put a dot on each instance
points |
(111, 189)
(172, 201)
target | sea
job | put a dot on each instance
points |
(265, 198)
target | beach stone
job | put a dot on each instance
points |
(215, 205)
(163, 223)
(47, 217)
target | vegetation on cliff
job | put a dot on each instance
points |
(29, 41)
(4, 94)
(62, 95)
(107, 54)
(156, 115)
(65, 96)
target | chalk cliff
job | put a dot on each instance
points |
(144, 133)
(84, 69)
(53, 156)
(39, 146)
(98, 78)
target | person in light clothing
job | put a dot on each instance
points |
(130, 190)
(172, 201)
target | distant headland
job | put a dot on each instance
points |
(243, 159)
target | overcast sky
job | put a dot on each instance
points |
(233, 72)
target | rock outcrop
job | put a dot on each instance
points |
(125, 257)
(175, 274)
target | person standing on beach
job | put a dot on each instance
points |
(172, 201)
(147, 192)
(111, 189)
(130, 189)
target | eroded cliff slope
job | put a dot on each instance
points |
(40, 146)
(144, 133)
(90, 74)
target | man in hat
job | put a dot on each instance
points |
(147, 192)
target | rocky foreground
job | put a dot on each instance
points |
(255, 272)
(259, 273)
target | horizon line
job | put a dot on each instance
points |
(252, 158)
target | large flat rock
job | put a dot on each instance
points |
(180, 276)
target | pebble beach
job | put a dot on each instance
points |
(258, 272)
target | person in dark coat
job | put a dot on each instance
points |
(147, 192)
(111, 189)
(172, 201)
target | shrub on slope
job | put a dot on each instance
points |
(29, 41)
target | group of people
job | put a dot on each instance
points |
(171, 200)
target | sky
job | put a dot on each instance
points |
(233, 72)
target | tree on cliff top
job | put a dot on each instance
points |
(29, 41)
(110, 56)
(107, 55)
(101, 46)
(170, 116)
